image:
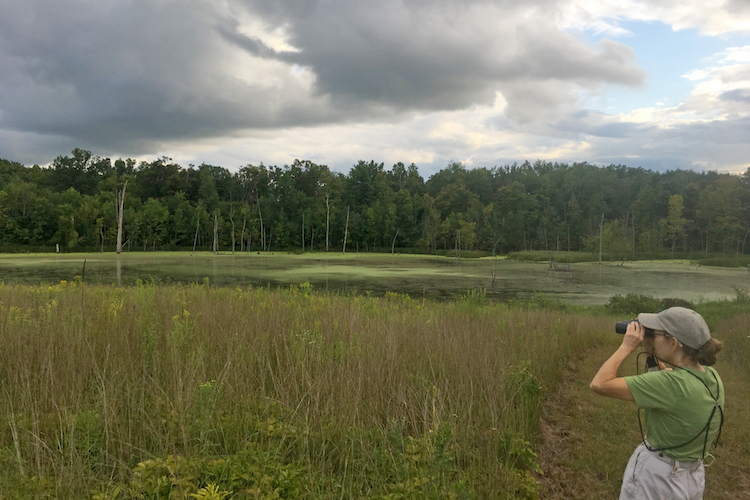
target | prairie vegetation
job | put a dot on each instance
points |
(156, 392)
(193, 391)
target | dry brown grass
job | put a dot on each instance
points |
(96, 379)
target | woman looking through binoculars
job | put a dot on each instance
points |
(683, 399)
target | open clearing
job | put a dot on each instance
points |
(417, 275)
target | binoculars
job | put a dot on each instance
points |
(622, 326)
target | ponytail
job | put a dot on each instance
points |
(706, 355)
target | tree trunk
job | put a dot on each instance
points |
(328, 217)
(303, 232)
(242, 236)
(231, 219)
(706, 254)
(119, 204)
(197, 228)
(394, 242)
(216, 233)
(601, 234)
(346, 228)
(262, 229)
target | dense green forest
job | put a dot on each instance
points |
(303, 206)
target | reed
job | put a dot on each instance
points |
(105, 387)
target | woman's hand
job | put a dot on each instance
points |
(606, 382)
(634, 335)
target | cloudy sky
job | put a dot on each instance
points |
(659, 84)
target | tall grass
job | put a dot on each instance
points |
(730, 322)
(107, 391)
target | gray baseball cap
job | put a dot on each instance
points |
(684, 324)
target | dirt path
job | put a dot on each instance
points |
(564, 437)
(587, 439)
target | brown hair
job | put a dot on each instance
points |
(706, 355)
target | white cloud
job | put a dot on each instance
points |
(696, 74)
(708, 130)
(738, 55)
(709, 17)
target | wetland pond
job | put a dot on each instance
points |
(419, 276)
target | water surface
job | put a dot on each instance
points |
(419, 276)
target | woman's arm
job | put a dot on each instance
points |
(606, 382)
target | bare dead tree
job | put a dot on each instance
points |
(328, 216)
(262, 230)
(601, 234)
(216, 232)
(231, 220)
(346, 228)
(119, 204)
(197, 228)
(242, 236)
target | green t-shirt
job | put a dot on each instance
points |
(677, 407)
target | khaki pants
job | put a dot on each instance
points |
(650, 476)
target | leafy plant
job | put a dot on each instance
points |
(633, 304)
(210, 492)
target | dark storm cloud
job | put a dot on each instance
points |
(129, 75)
(440, 55)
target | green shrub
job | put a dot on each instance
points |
(633, 303)
(668, 302)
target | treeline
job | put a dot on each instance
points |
(532, 206)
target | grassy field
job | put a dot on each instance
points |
(170, 389)
(419, 276)
(159, 391)
(195, 391)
